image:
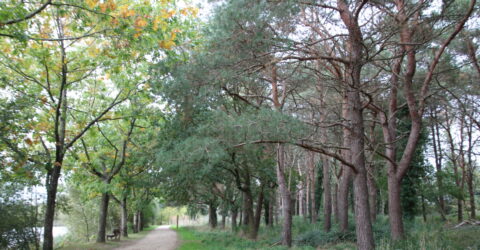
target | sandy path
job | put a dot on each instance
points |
(161, 238)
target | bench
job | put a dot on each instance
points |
(115, 235)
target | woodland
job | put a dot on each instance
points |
(305, 124)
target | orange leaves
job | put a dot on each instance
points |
(140, 23)
(109, 5)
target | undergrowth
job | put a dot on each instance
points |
(420, 236)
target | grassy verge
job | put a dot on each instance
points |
(65, 244)
(432, 235)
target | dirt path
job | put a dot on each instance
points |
(161, 238)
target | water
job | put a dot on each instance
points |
(58, 231)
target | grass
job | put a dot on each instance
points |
(422, 236)
(65, 244)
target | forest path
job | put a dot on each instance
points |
(161, 238)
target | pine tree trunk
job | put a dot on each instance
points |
(312, 175)
(345, 176)
(327, 207)
(335, 204)
(271, 210)
(286, 199)
(372, 197)
(395, 207)
(267, 211)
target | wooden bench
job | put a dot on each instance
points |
(115, 235)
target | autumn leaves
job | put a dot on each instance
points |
(135, 17)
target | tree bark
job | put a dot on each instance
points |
(51, 185)
(267, 211)
(285, 196)
(355, 46)
(346, 175)
(102, 222)
(437, 152)
(234, 218)
(212, 216)
(312, 176)
(124, 222)
(327, 207)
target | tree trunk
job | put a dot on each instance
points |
(124, 222)
(395, 206)
(312, 176)
(363, 224)
(437, 152)
(224, 220)
(335, 204)
(285, 196)
(258, 215)
(51, 185)
(355, 47)
(345, 176)
(234, 218)
(134, 223)
(212, 216)
(102, 222)
(327, 196)
(372, 196)
(271, 210)
(424, 209)
(267, 212)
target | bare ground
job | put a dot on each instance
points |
(161, 238)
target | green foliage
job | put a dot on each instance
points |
(19, 217)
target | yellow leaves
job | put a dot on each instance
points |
(189, 10)
(125, 11)
(93, 51)
(92, 3)
(167, 14)
(137, 35)
(7, 49)
(43, 126)
(166, 44)
(159, 22)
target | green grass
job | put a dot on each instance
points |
(65, 244)
(422, 236)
